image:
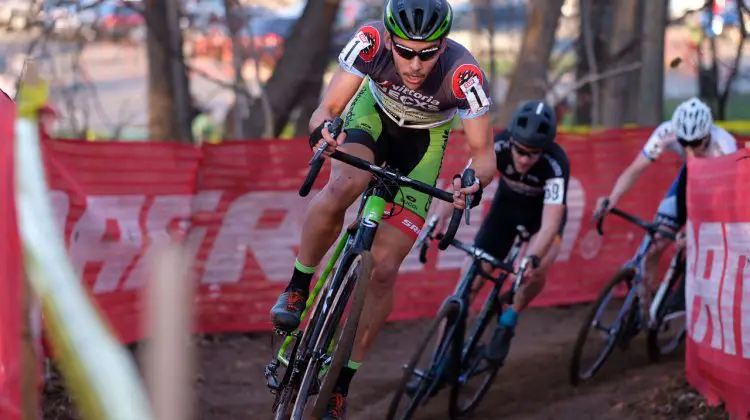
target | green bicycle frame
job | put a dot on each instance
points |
(373, 210)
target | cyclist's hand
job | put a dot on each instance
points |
(443, 214)
(600, 208)
(332, 143)
(459, 194)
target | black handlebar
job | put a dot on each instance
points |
(335, 128)
(467, 180)
(651, 228)
(316, 163)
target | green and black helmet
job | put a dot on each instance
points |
(418, 20)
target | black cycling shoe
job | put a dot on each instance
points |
(499, 346)
(286, 314)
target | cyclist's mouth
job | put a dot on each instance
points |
(415, 80)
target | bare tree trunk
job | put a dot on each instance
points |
(307, 105)
(600, 26)
(529, 77)
(305, 53)
(651, 108)
(619, 98)
(163, 116)
(723, 94)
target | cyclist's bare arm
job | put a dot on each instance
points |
(339, 92)
(628, 178)
(481, 146)
(552, 216)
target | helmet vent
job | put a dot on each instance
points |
(418, 18)
(543, 128)
(405, 21)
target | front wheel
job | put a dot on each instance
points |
(668, 328)
(477, 373)
(327, 360)
(418, 385)
(579, 369)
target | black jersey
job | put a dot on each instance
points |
(545, 183)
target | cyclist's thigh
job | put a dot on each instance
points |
(390, 247)
(363, 126)
(499, 227)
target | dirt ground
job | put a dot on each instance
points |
(532, 385)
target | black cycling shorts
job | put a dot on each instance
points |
(499, 228)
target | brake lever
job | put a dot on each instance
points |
(319, 152)
(334, 128)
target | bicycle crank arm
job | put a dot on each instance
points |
(270, 373)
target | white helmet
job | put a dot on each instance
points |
(692, 120)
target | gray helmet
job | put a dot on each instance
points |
(418, 20)
(534, 125)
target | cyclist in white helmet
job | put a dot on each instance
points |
(691, 132)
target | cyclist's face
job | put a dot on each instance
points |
(524, 158)
(699, 149)
(414, 59)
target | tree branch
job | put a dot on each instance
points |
(594, 77)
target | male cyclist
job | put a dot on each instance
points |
(418, 81)
(532, 191)
(691, 132)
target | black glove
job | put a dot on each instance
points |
(317, 134)
(476, 197)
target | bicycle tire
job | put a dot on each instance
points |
(655, 350)
(353, 281)
(283, 406)
(345, 343)
(283, 410)
(449, 314)
(456, 411)
(623, 275)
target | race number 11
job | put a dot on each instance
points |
(475, 95)
(353, 48)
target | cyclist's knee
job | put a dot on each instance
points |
(389, 250)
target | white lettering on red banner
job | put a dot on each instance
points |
(108, 237)
(717, 254)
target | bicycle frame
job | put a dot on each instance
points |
(370, 214)
(637, 263)
(455, 331)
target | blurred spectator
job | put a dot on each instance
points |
(203, 128)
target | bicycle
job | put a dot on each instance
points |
(455, 361)
(316, 357)
(634, 315)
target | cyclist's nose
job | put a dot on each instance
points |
(415, 64)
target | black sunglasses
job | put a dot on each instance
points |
(426, 54)
(692, 144)
(526, 152)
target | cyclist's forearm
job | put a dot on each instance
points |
(624, 184)
(479, 138)
(484, 166)
(544, 240)
(322, 113)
